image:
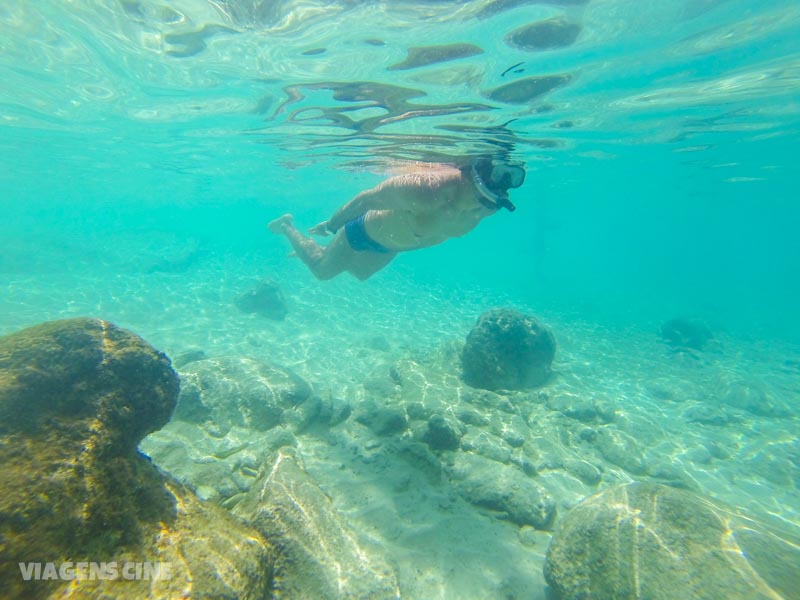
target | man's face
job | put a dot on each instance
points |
(505, 176)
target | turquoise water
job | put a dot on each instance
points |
(145, 145)
(671, 191)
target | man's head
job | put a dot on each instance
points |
(495, 177)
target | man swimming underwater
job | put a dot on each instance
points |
(406, 212)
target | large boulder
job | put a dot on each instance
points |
(507, 350)
(652, 541)
(320, 556)
(266, 299)
(76, 397)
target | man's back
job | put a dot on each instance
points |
(444, 206)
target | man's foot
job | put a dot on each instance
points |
(280, 224)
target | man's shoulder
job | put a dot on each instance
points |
(431, 177)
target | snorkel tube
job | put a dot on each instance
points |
(490, 198)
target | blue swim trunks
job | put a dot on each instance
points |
(359, 240)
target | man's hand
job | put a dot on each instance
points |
(320, 229)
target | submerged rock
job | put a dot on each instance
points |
(684, 333)
(224, 392)
(652, 541)
(384, 419)
(187, 356)
(507, 350)
(266, 299)
(76, 397)
(320, 556)
(754, 398)
(216, 468)
(442, 433)
(503, 489)
(486, 444)
(621, 449)
(178, 257)
(573, 406)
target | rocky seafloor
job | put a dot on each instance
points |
(358, 463)
(459, 489)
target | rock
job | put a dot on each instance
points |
(187, 356)
(334, 411)
(524, 464)
(381, 383)
(442, 433)
(671, 472)
(652, 541)
(57, 373)
(216, 468)
(587, 434)
(754, 399)
(469, 416)
(528, 536)
(621, 449)
(708, 415)
(507, 350)
(76, 397)
(382, 419)
(780, 470)
(224, 392)
(685, 333)
(321, 557)
(266, 299)
(513, 431)
(699, 455)
(585, 471)
(574, 407)
(417, 411)
(488, 401)
(513, 438)
(379, 343)
(486, 444)
(503, 489)
(181, 257)
(606, 410)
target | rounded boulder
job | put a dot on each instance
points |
(644, 540)
(507, 350)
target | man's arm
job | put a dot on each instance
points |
(405, 192)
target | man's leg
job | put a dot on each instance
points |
(365, 264)
(324, 262)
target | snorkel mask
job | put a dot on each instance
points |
(494, 179)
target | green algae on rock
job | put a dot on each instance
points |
(76, 397)
(507, 350)
(88, 377)
(652, 541)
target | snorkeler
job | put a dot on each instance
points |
(405, 212)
